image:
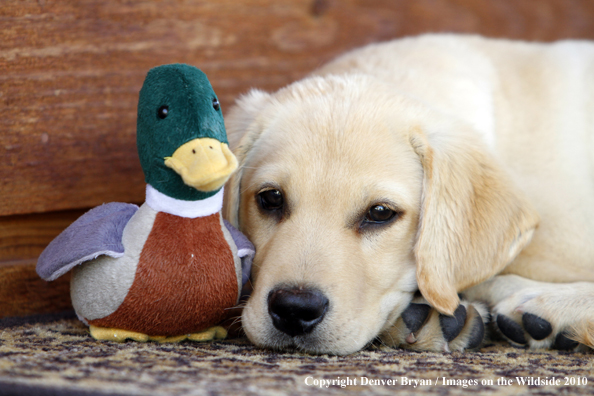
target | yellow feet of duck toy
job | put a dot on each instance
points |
(119, 335)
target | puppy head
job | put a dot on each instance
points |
(339, 190)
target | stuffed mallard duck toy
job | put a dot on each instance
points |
(171, 269)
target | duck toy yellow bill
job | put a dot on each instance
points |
(170, 269)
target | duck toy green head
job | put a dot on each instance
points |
(170, 269)
(180, 132)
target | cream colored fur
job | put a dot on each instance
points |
(484, 146)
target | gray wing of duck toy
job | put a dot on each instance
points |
(97, 232)
(245, 251)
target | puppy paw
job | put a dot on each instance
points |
(546, 317)
(422, 328)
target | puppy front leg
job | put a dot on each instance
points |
(539, 314)
(423, 328)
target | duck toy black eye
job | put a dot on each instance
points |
(215, 104)
(163, 112)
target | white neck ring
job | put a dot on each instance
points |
(190, 209)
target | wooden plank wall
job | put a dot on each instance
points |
(70, 72)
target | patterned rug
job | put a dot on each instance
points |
(54, 355)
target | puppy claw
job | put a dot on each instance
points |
(537, 327)
(451, 326)
(411, 339)
(564, 343)
(415, 315)
(511, 329)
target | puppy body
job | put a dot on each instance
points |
(483, 149)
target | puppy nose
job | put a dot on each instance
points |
(296, 311)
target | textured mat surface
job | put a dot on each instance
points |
(58, 357)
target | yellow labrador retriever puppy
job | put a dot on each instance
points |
(455, 166)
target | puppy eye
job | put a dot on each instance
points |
(271, 200)
(379, 214)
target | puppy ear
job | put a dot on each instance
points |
(473, 220)
(242, 132)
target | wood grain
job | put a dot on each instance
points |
(23, 237)
(23, 292)
(71, 70)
